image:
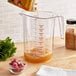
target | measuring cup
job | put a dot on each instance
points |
(38, 32)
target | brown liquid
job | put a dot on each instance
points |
(36, 58)
(27, 4)
(70, 39)
(69, 42)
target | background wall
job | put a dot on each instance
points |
(11, 21)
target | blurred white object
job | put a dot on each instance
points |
(50, 71)
(53, 71)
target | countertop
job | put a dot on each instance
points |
(62, 58)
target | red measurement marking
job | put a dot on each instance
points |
(41, 30)
(40, 47)
(40, 52)
(40, 42)
(35, 3)
(41, 33)
(41, 26)
(41, 38)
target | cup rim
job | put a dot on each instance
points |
(33, 16)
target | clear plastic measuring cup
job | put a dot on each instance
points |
(38, 31)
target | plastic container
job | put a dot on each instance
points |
(38, 32)
(70, 36)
